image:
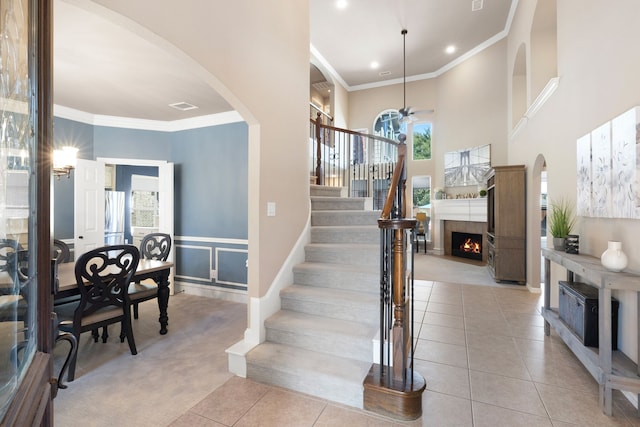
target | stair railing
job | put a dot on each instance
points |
(360, 162)
(393, 387)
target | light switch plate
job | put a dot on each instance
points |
(271, 208)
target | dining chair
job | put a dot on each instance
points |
(153, 246)
(61, 252)
(103, 276)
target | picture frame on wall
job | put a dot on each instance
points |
(467, 167)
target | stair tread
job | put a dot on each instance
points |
(309, 324)
(282, 357)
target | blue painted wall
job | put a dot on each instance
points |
(79, 135)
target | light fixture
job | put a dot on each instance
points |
(64, 161)
(450, 49)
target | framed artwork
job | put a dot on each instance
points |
(583, 201)
(467, 166)
(609, 169)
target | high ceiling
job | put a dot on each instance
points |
(103, 69)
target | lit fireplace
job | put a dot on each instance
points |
(466, 245)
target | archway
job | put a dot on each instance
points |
(537, 229)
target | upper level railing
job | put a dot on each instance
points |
(360, 162)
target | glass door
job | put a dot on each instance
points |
(25, 244)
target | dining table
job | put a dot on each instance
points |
(156, 270)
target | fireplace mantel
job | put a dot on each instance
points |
(474, 210)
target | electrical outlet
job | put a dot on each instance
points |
(214, 274)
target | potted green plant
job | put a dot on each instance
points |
(560, 222)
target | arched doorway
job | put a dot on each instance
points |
(538, 228)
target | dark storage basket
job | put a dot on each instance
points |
(578, 308)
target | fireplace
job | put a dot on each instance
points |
(466, 245)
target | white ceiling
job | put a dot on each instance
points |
(104, 69)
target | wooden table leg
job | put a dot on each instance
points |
(163, 301)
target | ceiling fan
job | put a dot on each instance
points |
(407, 115)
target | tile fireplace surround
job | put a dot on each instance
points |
(461, 215)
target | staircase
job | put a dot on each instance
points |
(320, 342)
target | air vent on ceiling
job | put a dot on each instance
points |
(476, 5)
(384, 73)
(183, 106)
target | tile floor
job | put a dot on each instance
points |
(481, 349)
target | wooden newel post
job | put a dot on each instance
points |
(399, 327)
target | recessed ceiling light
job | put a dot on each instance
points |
(183, 106)
(375, 65)
(450, 49)
(341, 4)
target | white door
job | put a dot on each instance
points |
(88, 208)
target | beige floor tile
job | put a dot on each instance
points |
(497, 343)
(575, 407)
(548, 347)
(555, 371)
(444, 379)
(445, 298)
(281, 408)
(528, 332)
(510, 393)
(446, 320)
(231, 401)
(493, 416)
(194, 420)
(443, 334)
(335, 416)
(443, 410)
(508, 364)
(448, 354)
(491, 326)
(436, 307)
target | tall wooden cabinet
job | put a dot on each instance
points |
(506, 223)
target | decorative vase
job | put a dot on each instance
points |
(613, 259)
(558, 243)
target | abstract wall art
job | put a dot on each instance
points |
(608, 163)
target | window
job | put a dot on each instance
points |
(421, 194)
(422, 141)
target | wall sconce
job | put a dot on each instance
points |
(64, 161)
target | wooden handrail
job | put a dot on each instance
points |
(353, 132)
(395, 182)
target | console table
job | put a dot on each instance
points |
(611, 369)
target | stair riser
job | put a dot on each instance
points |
(332, 235)
(345, 256)
(329, 343)
(346, 280)
(329, 388)
(320, 191)
(329, 204)
(345, 218)
(365, 314)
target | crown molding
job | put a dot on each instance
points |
(142, 124)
